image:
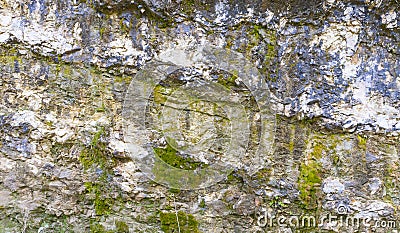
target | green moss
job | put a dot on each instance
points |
(96, 153)
(362, 142)
(173, 190)
(336, 160)
(122, 25)
(169, 155)
(10, 59)
(229, 81)
(229, 42)
(123, 79)
(231, 177)
(163, 21)
(62, 68)
(291, 145)
(267, 39)
(160, 94)
(8, 224)
(97, 228)
(49, 123)
(91, 156)
(256, 32)
(390, 181)
(168, 207)
(272, 53)
(121, 227)
(318, 148)
(202, 203)
(9, 55)
(187, 223)
(277, 202)
(95, 157)
(102, 204)
(177, 178)
(102, 108)
(188, 7)
(68, 71)
(263, 174)
(102, 30)
(310, 177)
(60, 148)
(309, 180)
(309, 123)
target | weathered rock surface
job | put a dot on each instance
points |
(332, 68)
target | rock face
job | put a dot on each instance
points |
(333, 76)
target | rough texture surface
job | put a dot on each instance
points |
(332, 68)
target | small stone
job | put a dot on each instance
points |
(332, 185)
(5, 198)
(140, 196)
